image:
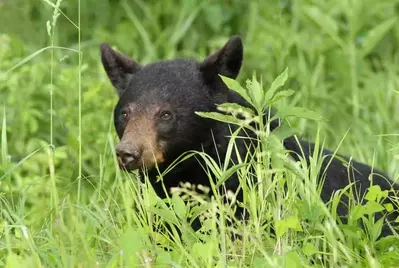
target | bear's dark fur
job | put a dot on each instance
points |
(156, 122)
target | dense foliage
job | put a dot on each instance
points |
(63, 201)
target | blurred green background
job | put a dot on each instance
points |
(342, 57)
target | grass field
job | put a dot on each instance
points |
(64, 202)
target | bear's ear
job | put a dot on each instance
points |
(118, 67)
(226, 61)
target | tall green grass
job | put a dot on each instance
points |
(64, 203)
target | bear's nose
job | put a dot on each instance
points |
(128, 155)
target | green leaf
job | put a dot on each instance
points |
(10, 170)
(358, 212)
(236, 108)
(310, 210)
(3, 146)
(163, 213)
(235, 86)
(374, 193)
(281, 228)
(325, 22)
(284, 131)
(131, 242)
(372, 207)
(200, 209)
(293, 223)
(258, 262)
(203, 250)
(290, 222)
(228, 173)
(281, 95)
(221, 117)
(256, 92)
(276, 84)
(298, 112)
(376, 34)
(18, 233)
(13, 261)
(179, 206)
(351, 231)
(309, 249)
(376, 228)
(292, 260)
(36, 53)
(163, 259)
(388, 207)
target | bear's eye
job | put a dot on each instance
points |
(166, 115)
(124, 115)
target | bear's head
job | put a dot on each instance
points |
(155, 116)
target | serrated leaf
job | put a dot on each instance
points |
(375, 35)
(276, 84)
(235, 86)
(299, 112)
(280, 95)
(220, 117)
(256, 91)
(229, 107)
(309, 249)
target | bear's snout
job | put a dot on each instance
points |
(128, 155)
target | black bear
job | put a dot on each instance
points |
(156, 122)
